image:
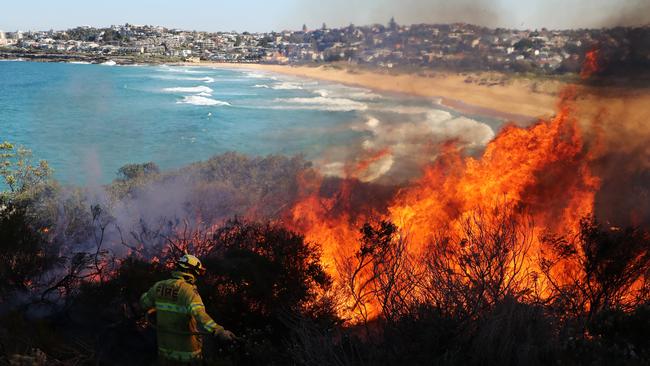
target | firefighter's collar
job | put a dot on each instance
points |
(187, 277)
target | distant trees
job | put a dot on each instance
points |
(264, 42)
(111, 36)
(392, 24)
(84, 34)
(524, 44)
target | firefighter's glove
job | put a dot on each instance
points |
(226, 335)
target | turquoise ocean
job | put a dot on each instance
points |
(89, 120)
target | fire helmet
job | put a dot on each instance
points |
(190, 263)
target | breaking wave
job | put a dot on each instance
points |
(191, 89)
(201, 100)
(322, 103)
(365, 95)
(177, 69)
(254, 75)
(286, 86)
(205, 79)
(353, 93)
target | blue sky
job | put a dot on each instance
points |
(261, 15)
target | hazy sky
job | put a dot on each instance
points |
(266, 15)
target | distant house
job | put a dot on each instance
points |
(131, 50)
(276, 58)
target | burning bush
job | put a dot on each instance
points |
(607, 269)
(475, 299)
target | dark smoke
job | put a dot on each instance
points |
(624, 197)
(623, 58)
(479, 12)
(633, 13)
(619, 119)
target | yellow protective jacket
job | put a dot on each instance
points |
(178, 310)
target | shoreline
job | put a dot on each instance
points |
(510, 98)
(509, 103)
(448, 88)
(513, 103)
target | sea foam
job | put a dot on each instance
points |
(346, 92)
(205, 79)
(166, 68)
(322, 103)
(201, 100)
(254, 75)
(286, 86)
(190, 89)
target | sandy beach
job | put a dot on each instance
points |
(621, 111)
(512, 99)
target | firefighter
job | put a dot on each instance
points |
(180, 314)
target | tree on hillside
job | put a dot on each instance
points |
(133, 171)
(18, 171)
(392, 24)
(23, 253)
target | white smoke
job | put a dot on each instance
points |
(409, 144)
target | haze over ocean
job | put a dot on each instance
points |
(89, 120)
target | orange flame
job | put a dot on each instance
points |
(543, 170)
(591, 64)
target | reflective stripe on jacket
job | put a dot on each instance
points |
(179, 312)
